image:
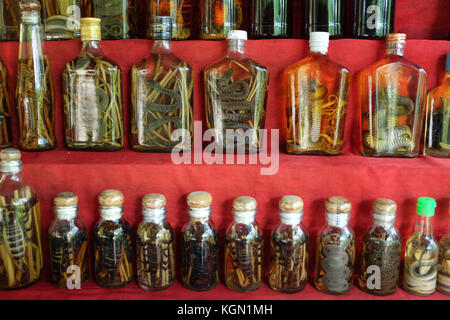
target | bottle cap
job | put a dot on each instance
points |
(237, 35)
(338, 205)
(162, 28)
(66, 199)
(426, 207)
(154, 201)
(399, 38)
(447, 67)
(111, 198)
(244, 204)
(10, 154)
(199, 199)
(30, 5)
(319, 41)
(91, 29)
(385, 206)
(291, 204)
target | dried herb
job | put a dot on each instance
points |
(443, 278)
(5, 109)
(218, 17)
(118, 18)
(9, 20)
(59, 19)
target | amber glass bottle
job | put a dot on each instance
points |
(218, 17)
(373, 19)
(118, 18)
(271, 19)
(9, 20)
(61, 19)
(6, 139)
(316, 99)
(393, 92)
(443, 277)
(325, 16)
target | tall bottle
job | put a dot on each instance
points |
(325, 16)
(437, 130)
(271, 19)
(9, 20)
(335, 253)
(236, 90)
(316, 99)
(6, 139)
(155, 246)
(393, 92)
(61, 19)
(443, 277)
(68, 243)
(218, 17)
(35, 92)
(289, 246)
(199, 245)
(162, 117)
(118, 18)
(20, 226)
(373, 19)
(381, 251)
(92, 90)
(422, 252)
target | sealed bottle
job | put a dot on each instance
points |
(92, 90)
(422, 252)
(155, 246)
(335, 253)
(271, 19)
(218, 17)
(6, 139)
(325, 16)
(289, 246)
(199, 245)
(118, 18)
(381, 251)
(316, 97)
(35, 92)
(373, 19)
(162, 117)
(243, 248)
(392, 92)
(437, 130)
(20, 226)
(68, 242)
(112, 243)
(9, 20)
(443, 277)
(236, 97)
(61, 19)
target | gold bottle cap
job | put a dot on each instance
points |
(338, 205)
(385, 206)
(199, 199)
(66, 199)
(154, 201)
(111, 198)
(399, 38)
(291, 204)
(244, 203)
(91, 29)
(10, 154)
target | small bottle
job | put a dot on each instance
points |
(6, 139)
(20, 226)
(199, 245)
(112, 243)
(325, 16)
(218, 17)
(243, 248)
(118, 18)
(271, 19)
(381, 251)
(93, 103)
(422, 253)
(68, 242)
(155, 246)
(290, 241)
(443, 277)
(373, 19)
(61, 19)
(9, 20)
(437, 130)
(335, 254)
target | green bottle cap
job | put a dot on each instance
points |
(426, 207)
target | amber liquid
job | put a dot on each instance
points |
(118, 18)
(5, 109)
(218, 17)
(10, 20)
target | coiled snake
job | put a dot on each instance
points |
(114, 18)
(420, 275)
(335, 266)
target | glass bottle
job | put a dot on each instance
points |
(92, 89)
(271, 19)
(381, 251)
(68, 242)
(112, 243)
(35, 92)
(437, 130)
(162, 117)
(373, 19)
(6, 139)
(118, 18)
(61, 19)
(218, 17)
(443, 277)
(181, 12)
(20, 226)
(325, 16)
(244, 248)
(289, 246)
(155, 246)
(335, 254)
(236, 97)
(393, 92)
(199, 245)
(9, 20)
(316, 95)
(422, 253)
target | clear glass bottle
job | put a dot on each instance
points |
(437, 130)
(236, 97)
(61, 19)
(443, 277)
(6, 139)
(68, 243)
(92, 90)
(162, 117)
(118, 18)
(422, 252)
(199, 245)
(9, 20)
(271, 19)
(35, 92)
(392, 92)
(289, 246)
(218, 17)
(20, 226)
(381, 251)
(316, 97)
(325, 16)
(373, 19)
(243, 248)
(112, 243)
(335, 253)
(155, 246)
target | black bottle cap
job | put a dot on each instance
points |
(162, 28)
(447, 68)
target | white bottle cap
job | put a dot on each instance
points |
(319, 41)
(237, 35)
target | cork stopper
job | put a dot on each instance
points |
(91, 29)
(398, 38)
(111, 198)
(385, 206)
(10, 155)
(66, 199)
(244, 203)
(291, 204)
(199, 199)
(338, 205)
(154, 201)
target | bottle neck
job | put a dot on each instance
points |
(338, 220)
(92, 47)
(31, 17)
(244, 217)
(424, 226)
(111, 213)
(200, 214)
(156, 216)
(236, 48)
(290, 218)
(162, 47)
(66, 213)
(11, 167)
(384, 219)
(395, 49)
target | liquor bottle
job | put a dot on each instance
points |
(325, 16)
(118, 18)
(443, 277)
(236, 97)
(20, 225)
(162, 117)
(373, 19)
(218, 17)
(437, 124)
(92, 89)
(393, 92)
(271, 19)
(9, 20)
(6, 139)
(316, 99)
(61, 19)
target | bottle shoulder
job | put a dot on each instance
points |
(168, 61)
(61, 229)
(244, 231)
(396, 63)
(442, 91)
(385, 233)
(11, 184)
(116, 226)
(89, 62)
(314, 63)
(294, 233)
(244, 63)
(420, 240)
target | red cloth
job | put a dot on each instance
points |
(360, 179)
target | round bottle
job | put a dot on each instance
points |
(443, 278)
